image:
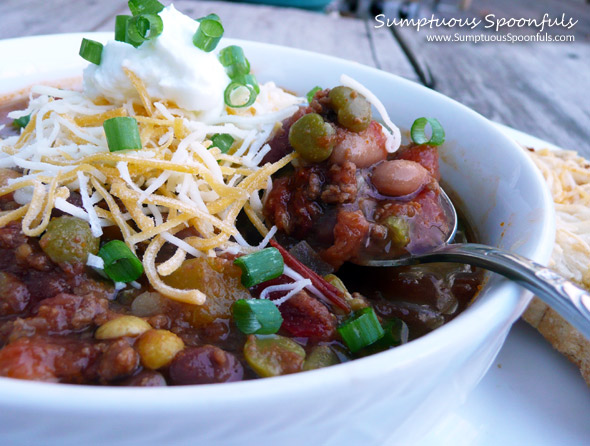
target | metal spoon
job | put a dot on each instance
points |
(568, 299)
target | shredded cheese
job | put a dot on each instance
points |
(394, 139)
(568, 176)
(175, 182)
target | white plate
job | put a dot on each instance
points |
(532, 395)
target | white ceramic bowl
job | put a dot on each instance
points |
(392, 397)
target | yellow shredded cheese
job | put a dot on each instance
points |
(176, 181)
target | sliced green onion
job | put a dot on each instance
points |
(237, 95)
(419, 136)
(396, 332)
(120, 264)
(121, 24)
(222, 141)
(256, 316)
(138, 7)
(143, 27)
(260, 266)
(91, 50)
(208, 35)
(234, 61)
(361, 330)
(209, 17)
(311, 93)
(249, 80)
(122, 133)
(21, 122)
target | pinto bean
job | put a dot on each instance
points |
(363, 149)
(399, 177)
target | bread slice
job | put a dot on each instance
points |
(565, 338)
(568, 177)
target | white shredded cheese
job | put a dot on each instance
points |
(95, 261)
(394, 139)
(88, 206)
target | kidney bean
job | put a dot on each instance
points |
(399, 177)
(205, 364)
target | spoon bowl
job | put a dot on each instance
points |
(565, 297)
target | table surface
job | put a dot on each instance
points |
(541, 88)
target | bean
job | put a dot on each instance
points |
(69, 240)
(119, 360)
(205, 364)
(146, 378)
(352, 109)
(122, 326)
(399, 177)
(157, 348)
(147, 304)
(273, 355)
(321, 356)
(363, 149)
(312, 138)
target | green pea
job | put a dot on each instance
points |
(321, 356)
(312, 138)
(273, 355)
(69, 240)
(353, 110)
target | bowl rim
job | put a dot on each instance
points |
(20, 393)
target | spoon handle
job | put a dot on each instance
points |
(568, 299)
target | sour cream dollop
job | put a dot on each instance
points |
(170, 66)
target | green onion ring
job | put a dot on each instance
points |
(144, 27)
(311, 93)
(120, 264)
(223, 141)
(121, 24)
(233, 59)
(232, 88)
(138, 7)
(209, 17)
(208, 35)
(361, 330)
(91, 50)
(419, 136)
(260, 266)
(21, 122)
(256, 316)
(122, 133)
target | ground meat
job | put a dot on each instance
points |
(11, 235)
(305, 316)
(341, 186)
(119, 360)
(14, 295)
(350, 231)
(49, 359)
(425, 155)
(43, 285)
(62, 314)
(291, 204)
